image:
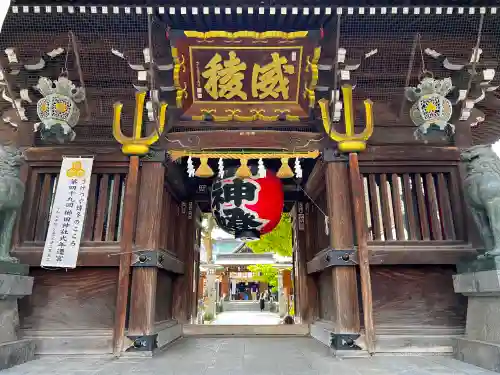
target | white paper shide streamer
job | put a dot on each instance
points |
(68, 214)
(261, 171)
(190, 167)
(221, 168)
(298, 168)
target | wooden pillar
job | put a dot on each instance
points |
(183, 284)
(302, 297)
(201, 283)
(287, 281)
(287, 287)
(311, 247)
(196, 273)
(359, 207)
(345, 290)
(126, 246)
(179, 281)
(148, 235)
(191, 257)
(463, 139)
(225, 284)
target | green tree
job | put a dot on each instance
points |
(265, 273)
(278, 241)
(207, 226)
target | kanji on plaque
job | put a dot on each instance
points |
(238, 75)
(245, 75)
(271, 79)
(225, 80)
(67, 214)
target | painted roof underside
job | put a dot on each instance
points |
(382, 78)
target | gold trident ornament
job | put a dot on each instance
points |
(137, 145)
(350, 141)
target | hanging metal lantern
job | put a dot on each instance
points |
(247, 207)
(431, 107)
(57, 110)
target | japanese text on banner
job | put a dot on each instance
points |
(68, 213)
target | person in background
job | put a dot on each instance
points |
(262, 302)
(254, 292)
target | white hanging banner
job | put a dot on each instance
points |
(68, 213)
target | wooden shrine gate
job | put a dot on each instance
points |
(379, 223)
(134, 226)
(414, 234)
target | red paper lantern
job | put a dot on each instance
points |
(247, 207)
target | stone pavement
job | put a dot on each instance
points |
(246, 356)
(247, 318)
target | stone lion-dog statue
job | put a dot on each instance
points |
(11, 196)
(482, 194)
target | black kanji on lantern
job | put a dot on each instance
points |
(217, 195)
(240, 220)
(236, 191)
(231, 198)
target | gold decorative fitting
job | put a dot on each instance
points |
(234, 115)
(179, 66)
(244, 170)
(312, 67)
(285, 171)
(204, 169)
(176, 154)
(180, 95)
(246, 34)
(311, 96)
(349, 141)
(137, 145)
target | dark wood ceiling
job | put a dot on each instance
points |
(381, 78)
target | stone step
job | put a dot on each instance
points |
(405, 341)
(245, 330)
(243, 306)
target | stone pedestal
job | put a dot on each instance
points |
(281, 297)
(481, 344)
(212, 295)
(13, 351)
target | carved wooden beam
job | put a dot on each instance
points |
(241, 139)
(55, 154)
